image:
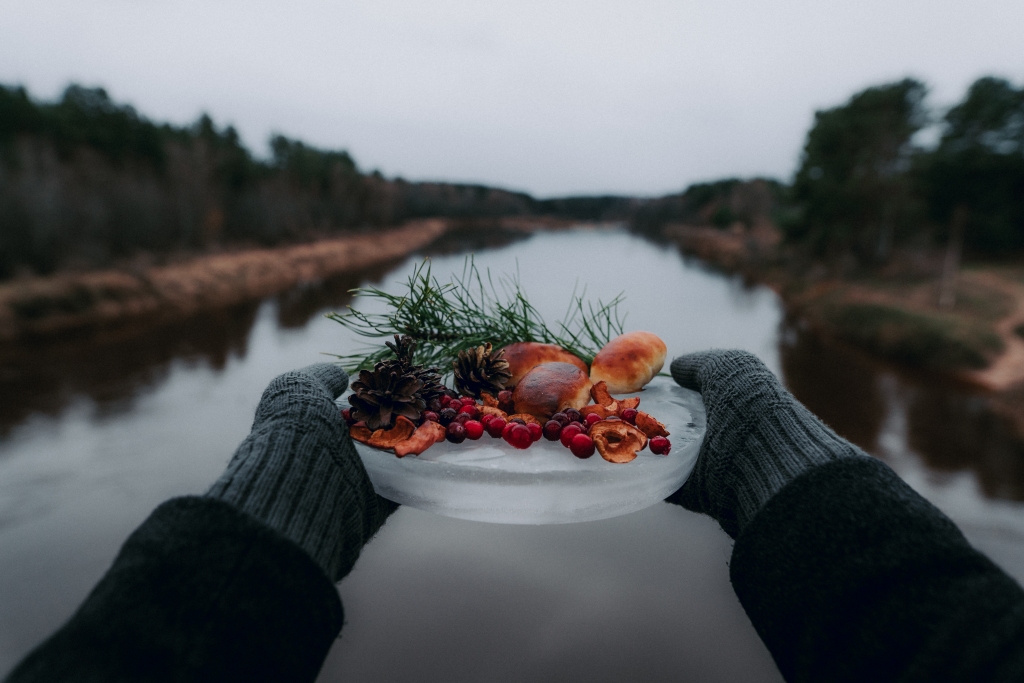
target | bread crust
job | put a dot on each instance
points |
(551, 387)
(525, 356)
(629, 362)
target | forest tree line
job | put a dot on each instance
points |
(85, 182)
(868, 185)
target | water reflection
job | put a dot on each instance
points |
(951, 428)
(113, 368)
(296, 307)
(474, 235)
(953, 431)
(835, 382)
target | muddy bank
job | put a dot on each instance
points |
(46, 307)
(893, 315)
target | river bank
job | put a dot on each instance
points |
(893, 314)
(42, 307)
(33, 308)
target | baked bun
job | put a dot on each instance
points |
(628, 362)
(525, 356)
(551, 387)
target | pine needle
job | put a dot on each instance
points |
(470, 310)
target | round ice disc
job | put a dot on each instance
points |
(490, 481)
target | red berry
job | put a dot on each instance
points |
(470, 410)
(463, 418)
(552, 429)
(568, 431)
(518, 435)
(484, 419)
(346, 415)
(496, 426)
(455, 404)
(573, 415)
(560, 418)
(518, 420)
(660, 445)
(536, 431)
(430, 415)
(474, 429)
(591, 419)
(629, 415)
(446, 416)
(455, 433)
(508, 429)
(582, 446)
(445, 400)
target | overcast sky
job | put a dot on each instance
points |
(638, 97)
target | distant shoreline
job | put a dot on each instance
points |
(894, 317)
(40, 308)
(46, 307)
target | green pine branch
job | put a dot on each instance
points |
(470, 310)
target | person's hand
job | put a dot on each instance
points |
(298, 470)
(759, 438)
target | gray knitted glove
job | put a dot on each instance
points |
(759, 437)
(298, 471)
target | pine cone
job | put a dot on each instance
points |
(477, 370)
(404, 348)
(382, 394)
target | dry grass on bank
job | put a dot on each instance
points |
(894, 315)
(900, 320)
(45, 306)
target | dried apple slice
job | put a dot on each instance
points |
(425, 436)
(440, 433)
(360, 432)
(488, 400)
(388, 438)
(600, 410)
(628, 403)
(600, 394)
(617, 441)
(650, 426)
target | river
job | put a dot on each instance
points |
(95, 432)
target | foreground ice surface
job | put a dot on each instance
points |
(489, 481)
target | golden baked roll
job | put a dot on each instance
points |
(629, 361)
(551, 387)
(525, 356)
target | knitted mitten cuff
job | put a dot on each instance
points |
(298, 471)
(759, 437)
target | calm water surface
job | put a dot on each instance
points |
(94, 434)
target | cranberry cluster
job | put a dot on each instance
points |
(462, 420)
(572, 430)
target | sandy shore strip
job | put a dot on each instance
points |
(48, 306)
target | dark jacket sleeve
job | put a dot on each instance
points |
(849, 575)
(199, 592)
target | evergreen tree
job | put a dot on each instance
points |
(977, 171)
(853, 189)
